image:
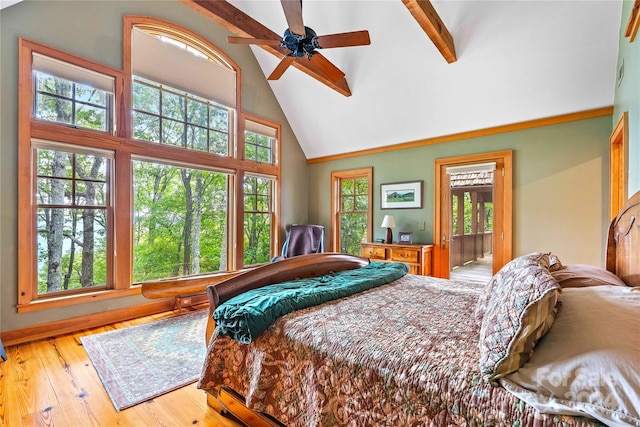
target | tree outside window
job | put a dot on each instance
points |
(351, 204)
(258, 219)
(179, 221)
(72, 209)
(161, 194)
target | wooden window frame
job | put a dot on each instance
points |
(634, 22)
(336, 178)
(124, 149)
(30, 128)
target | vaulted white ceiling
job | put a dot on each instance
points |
(517, 60)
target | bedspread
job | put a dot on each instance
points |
(247, 315)
(403, 354)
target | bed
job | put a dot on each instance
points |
(425, 351)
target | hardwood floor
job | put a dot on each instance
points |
(53, 383)
(478, 271)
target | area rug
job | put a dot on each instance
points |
(141, 362)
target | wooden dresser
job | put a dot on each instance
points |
(418, 257)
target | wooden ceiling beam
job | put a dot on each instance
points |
(424, 12)
(241, 24)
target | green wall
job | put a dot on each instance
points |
(627, 96)
(93, 30)
(560, 186)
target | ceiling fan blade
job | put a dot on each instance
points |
(354, 38)
(248, 40)
(293, 13)
(332, 72)
(281, 68)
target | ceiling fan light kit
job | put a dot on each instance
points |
(300, 45)
(304, 45)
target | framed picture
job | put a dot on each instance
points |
(401, 195)
(405, 237)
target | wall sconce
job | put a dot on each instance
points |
(390, 223)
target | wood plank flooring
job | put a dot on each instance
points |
(52, 382)
(479, 271)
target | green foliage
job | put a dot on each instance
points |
(467, 212)
(353, 231)
(63, 101)
(354, 205)
(257, 220)
(161, 220)
(72, 238)
(172, 117)
(258, 147)
(488, 216)
(468, 207)
(180, 214)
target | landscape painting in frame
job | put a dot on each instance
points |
(401, 195)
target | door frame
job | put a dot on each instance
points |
(618, 171)
(502, 208)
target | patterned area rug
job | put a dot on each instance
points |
(145, 361)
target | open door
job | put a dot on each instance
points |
(501, 199)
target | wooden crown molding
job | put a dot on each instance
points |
(563, 118)
(241, 24)
(424, 12)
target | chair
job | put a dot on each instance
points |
(302, 239)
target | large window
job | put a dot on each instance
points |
(258, 219)
(351, 207)
(72, 204)
(118, 190)
(169, 116)
(179, 220)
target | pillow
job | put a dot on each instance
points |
(588, 362)
(520, 310)
(545, 260)
(579, 275)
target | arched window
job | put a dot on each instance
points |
(142, 163)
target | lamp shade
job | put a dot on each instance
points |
(388, 221)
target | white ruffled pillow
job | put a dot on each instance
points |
(589, 362)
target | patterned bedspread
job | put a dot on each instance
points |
(404, 354)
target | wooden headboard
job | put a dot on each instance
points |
(623, 243)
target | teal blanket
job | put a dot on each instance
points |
(248, 315)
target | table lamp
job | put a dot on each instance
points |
(390, 223)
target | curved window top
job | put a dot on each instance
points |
(170, 55)
(186, 42)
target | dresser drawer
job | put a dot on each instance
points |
(417, 256)
(373, 252)
(405, 255)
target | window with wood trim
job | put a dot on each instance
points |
(159, 180)
(66, 101)
(73, 218)
(259, 219)
(351, 207)
(259, 142)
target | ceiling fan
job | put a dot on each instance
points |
(302, 43)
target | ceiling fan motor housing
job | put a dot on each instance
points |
(300, 45)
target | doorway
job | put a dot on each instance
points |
(472, 224)
(471, 216)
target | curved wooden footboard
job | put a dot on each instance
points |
(623, 256)
(298, 267)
